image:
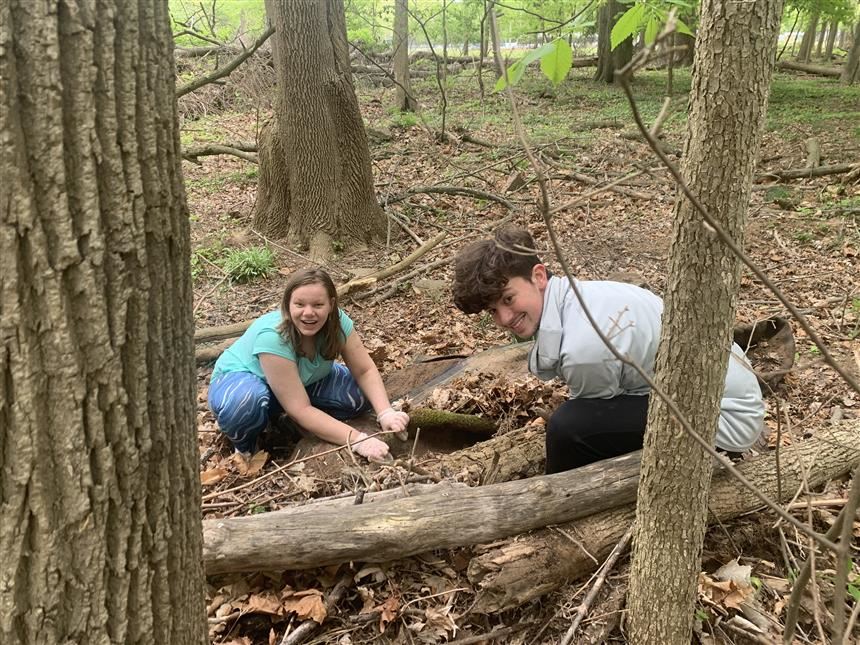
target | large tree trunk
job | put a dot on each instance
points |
(405, 100)
(315, 182)
(526, 568)
(610, 61)
(851, 71)
(728, 100)
(99, 484)
(805, 52)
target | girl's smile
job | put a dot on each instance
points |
(310, 307)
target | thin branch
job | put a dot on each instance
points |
(452, 190)
(227, 69)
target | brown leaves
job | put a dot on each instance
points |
(307, 604)
(252, 466)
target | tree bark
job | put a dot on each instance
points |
(526, 568)
(315, 183)
(608, 60)
(405, 99)
(731, 79)
(99, 484)
(851, 70)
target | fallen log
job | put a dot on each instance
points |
(526, 568)
(820, 70)
(309, 537)
(800, 173)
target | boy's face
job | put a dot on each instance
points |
(519, 308)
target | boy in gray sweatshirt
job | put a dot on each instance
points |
(608, 409)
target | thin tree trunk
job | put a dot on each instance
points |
(320, 188)
(851, 70)
(831, 40)
(404, 98)
(808, 40)
(730, 84)
(819, 48)
(99, 488)
(610, 60)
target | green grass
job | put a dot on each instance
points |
(817, 102)
(245, 265)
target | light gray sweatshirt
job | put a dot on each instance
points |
(567, 346)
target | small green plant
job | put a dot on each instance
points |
(403, 120)
(205, 255)
(814, 351)
(244, 265)
(804, 237)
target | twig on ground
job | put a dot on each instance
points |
(585, 605)
(452, 190)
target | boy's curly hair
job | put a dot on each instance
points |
(482, 269)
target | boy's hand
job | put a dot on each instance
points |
(394, 421)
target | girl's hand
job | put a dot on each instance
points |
(371, 448)
(391, 420)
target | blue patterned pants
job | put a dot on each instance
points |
(243, 403)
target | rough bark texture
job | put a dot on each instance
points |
(527, 567)
(99, 486)
(731, 77)
(404, 100)
(309, 536)
(608, 60)
(851, 71)
(315, 182)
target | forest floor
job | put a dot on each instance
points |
(804, 233)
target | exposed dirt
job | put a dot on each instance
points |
(804, 233)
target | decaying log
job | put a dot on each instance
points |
(514, 455)
(308, 536)
(429, 420)
(530, 566)
(820, 70)
(800, 173)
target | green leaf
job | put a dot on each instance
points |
(854, 592)
(627, 25)
(515, 73)
(652, 29)
(556, 64)
(682, 28)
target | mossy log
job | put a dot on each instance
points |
(430, 420)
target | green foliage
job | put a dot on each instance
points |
(403, 119)
(244, 265)
(205, 255)
(555, 58)
(650, 15)
(220, 21)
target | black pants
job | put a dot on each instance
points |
(583, 431)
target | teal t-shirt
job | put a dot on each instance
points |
(262, 337)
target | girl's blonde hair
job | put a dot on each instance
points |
(332, 335)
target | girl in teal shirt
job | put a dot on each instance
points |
(284, 363)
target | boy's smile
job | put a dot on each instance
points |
(520, 306)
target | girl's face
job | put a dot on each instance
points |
(310, 307)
